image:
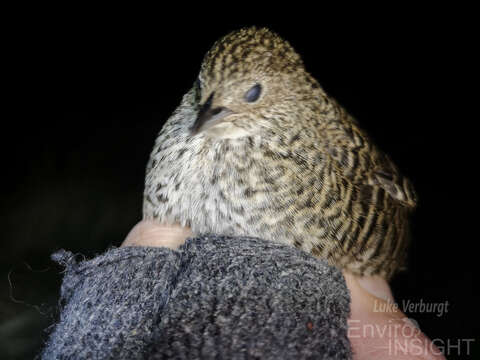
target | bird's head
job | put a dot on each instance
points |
(251, 80)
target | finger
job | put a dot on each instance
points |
(378, 329)
(150, 233)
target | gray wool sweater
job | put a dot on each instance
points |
(215, 298)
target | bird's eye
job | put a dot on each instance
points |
(253, 94)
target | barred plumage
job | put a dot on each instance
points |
(291, 166)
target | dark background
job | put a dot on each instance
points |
(87, 93)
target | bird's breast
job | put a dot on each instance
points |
(239, 187)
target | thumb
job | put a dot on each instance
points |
(153, 234)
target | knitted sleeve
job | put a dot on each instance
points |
(216, 298)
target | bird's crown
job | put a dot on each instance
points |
(247, 50)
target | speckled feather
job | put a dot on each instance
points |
(292, 167)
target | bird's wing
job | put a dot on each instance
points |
(358, 160)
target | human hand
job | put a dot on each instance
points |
(377, 330)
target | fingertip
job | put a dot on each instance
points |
(152, 233)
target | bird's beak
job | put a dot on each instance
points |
(208, 116)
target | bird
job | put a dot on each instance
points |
(257, 148)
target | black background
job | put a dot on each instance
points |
(87, 92)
